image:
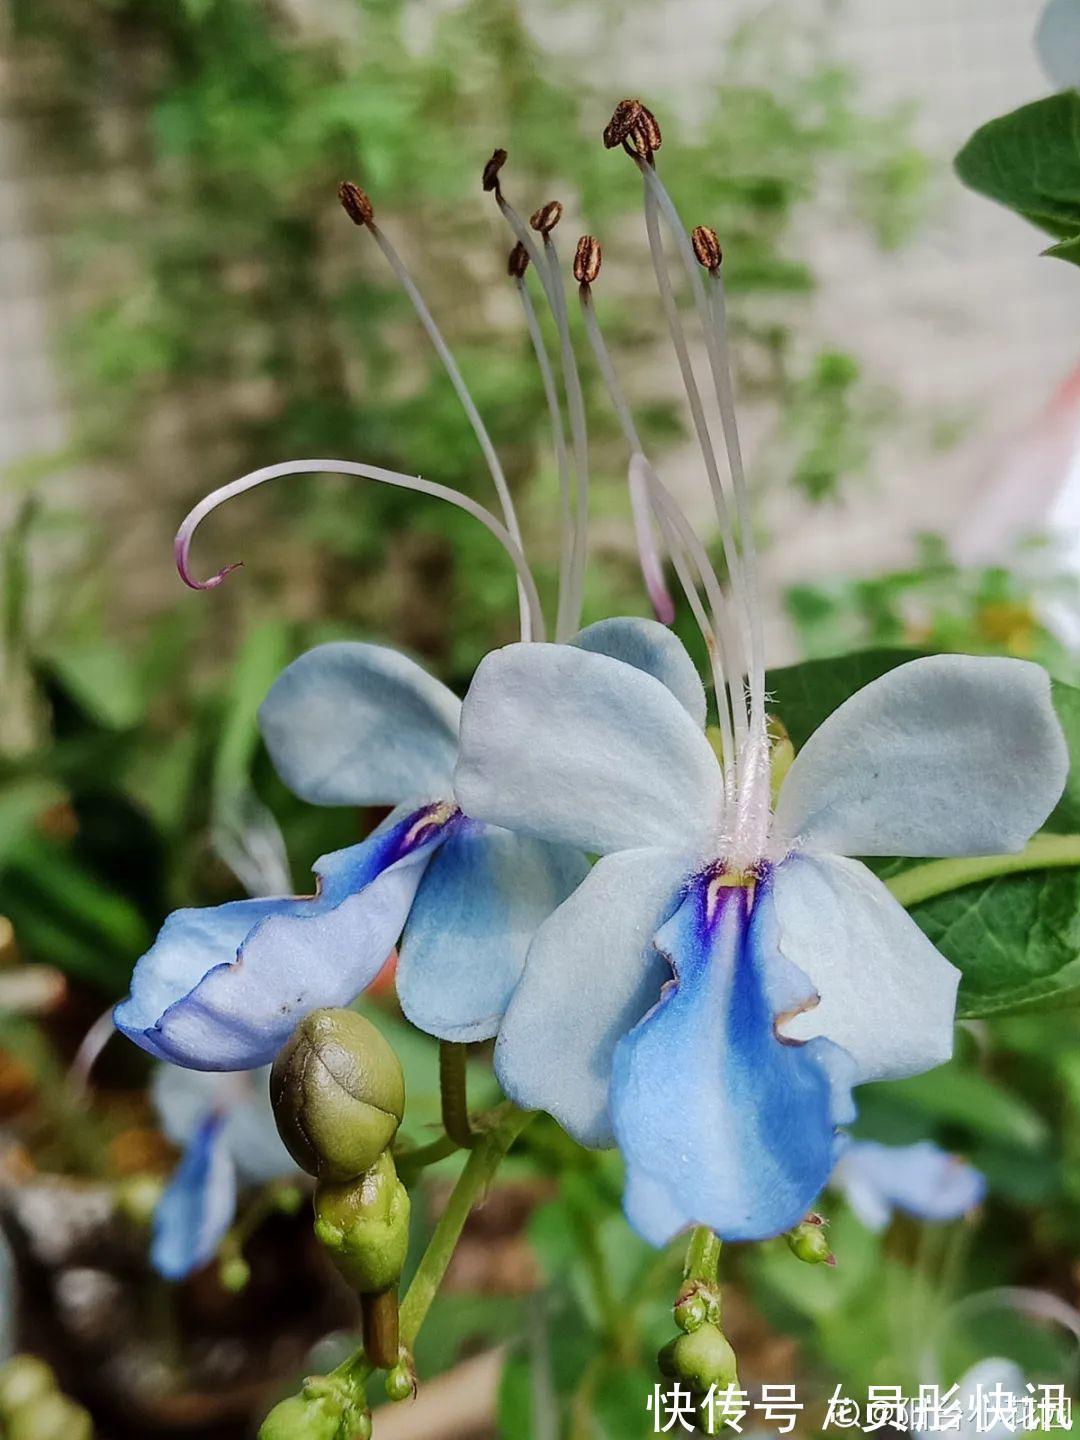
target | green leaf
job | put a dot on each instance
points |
(804, 695)
(955, 1095)
(1016, 939)
(101, 677)
(1029, 160)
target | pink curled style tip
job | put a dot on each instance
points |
(182, 553)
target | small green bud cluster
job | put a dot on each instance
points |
(324, 1410)
(809, 1241)
(701, 1357)
(339, 1096)
(32, 1407)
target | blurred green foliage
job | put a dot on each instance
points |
(225, 314)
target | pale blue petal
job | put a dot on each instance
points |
(946, 755)
(887, 995)
(719, 1122)
(581, 749)
(183, 1099)
(1058, 43)
(222, 989)
(592, 972)
(356, 724)
(919, 1179)
(251, 1132)
(479, 905)
(196, 1210)
(652, 647)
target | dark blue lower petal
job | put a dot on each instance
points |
(719, 1122)
(222, 988)
(197, 1208)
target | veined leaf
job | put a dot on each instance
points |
(1029, 160)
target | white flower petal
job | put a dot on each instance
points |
(579, 748)
(946, 755)
(888, 997)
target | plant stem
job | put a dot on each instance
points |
(937, 877)
(508, 1123)
(702, 1257)
(455, 1100)
(410, 1161)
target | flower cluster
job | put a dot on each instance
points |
(590, 858)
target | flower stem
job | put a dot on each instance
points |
(938, 877)
(455, 1099)
(702, 1257)
(487, 1155)
(506, 1124)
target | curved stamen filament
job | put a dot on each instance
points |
(710, 301)
(575, 402)
(450, 365)
(546, 263)
(551, 395)
(701, 428)
(683, 546)
(648, 554)
(532, 627)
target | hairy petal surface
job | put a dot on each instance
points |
(221, 989)
(919, 1179)
(946, 755)
(198, 1205)
(479, 905)
(649, 646)
(592, 972)
(578, 748)
(719, 1122)
(887, 995)
(356, 724)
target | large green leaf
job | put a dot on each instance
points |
(1029, 160)
(1016, 939)
(804, 695)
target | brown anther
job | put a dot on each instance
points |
(707, 247)
(587, 258)
(623, 119)
(547, 217)
(518, 262)
(355, 203)
(647, 130)
(492, 168)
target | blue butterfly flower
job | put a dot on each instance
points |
(919, 1179)
(724, 975)
(226, 1126)
(356, 724)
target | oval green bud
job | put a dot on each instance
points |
(400, 1382)
(338, 1094)
(365, 1226)
(303, 1418)
(50, 1417)
(691, 1313)
(137, 1197)
(24, 1378)
(701, 1359)
(809, 1242)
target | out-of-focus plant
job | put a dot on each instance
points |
(1029, 160)
(225, 312)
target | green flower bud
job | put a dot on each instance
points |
(301, 1418)
(338, 1094)
(50, 1417)
(23, 1379)
(809, 1242)
(691, 1311)
(701, 1359)
(401, 1382)
(365, 1226)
